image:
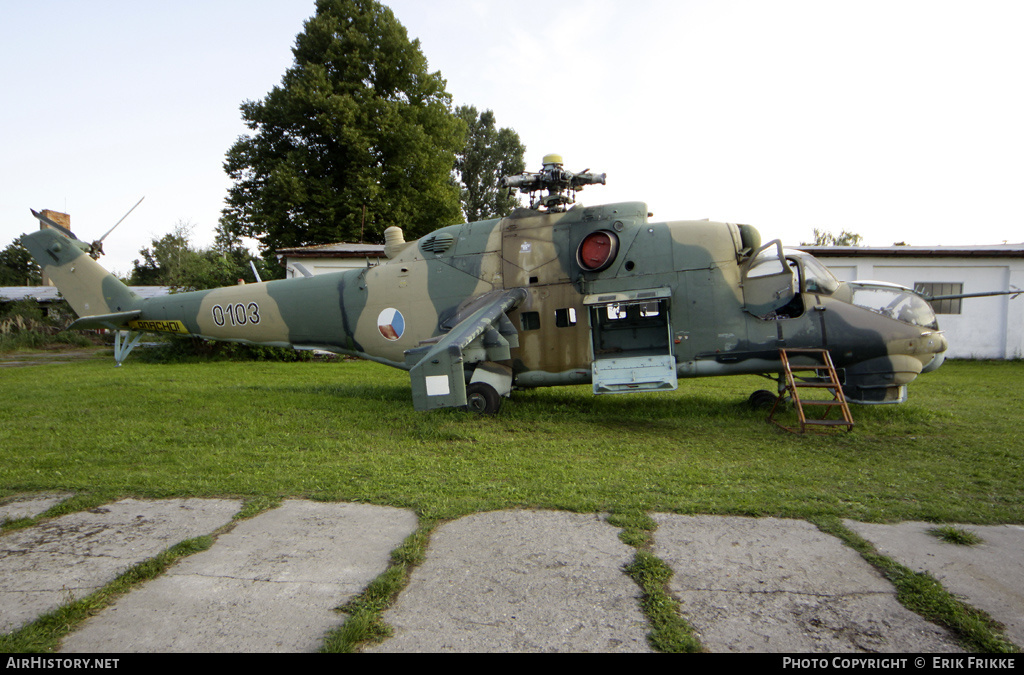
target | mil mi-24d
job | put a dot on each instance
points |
(555, 294)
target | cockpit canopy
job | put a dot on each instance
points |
(774, 277)
(895, 302)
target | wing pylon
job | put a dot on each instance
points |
(485, 337)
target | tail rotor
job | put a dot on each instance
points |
(95, 249)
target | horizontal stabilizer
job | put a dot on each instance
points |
(115, 321)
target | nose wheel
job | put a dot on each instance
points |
(482, 398)
(762, 399)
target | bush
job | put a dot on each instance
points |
(26, 309)
(23, 325)
(176, 349)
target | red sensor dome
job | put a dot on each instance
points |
(597, 251)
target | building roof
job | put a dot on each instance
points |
(338, 250)
(995, 251)
(50, 293)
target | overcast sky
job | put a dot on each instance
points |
(898, 120)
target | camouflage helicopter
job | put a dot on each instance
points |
(554, 294)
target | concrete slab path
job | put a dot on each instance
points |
(774, 585)
(30, 506)
(269, 585)
(988, 576)
(520, 581)
(56, 561)
(505, 581)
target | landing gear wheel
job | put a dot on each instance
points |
(482, 398)
(762, 399)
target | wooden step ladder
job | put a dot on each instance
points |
(824, 377)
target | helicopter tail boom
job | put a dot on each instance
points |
(88, 288)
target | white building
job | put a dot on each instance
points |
(984, 328)
(329, 258)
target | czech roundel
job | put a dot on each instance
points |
(391, 324)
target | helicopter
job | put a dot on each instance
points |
(554, 294)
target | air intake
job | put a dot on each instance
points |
(437, 243)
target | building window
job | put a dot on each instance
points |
(937, 290)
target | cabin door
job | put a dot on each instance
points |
(768, 281)
(631, 340)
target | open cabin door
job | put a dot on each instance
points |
(768, 282)
(631, 340)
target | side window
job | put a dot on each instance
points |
(935, 289)
(530, 320)
(564, 318)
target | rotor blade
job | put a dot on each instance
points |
(957, 296)
(43, 219)
(100, 240)
(301, 269)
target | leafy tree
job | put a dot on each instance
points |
(358, 125)
(17, 268)
(844, 238)
(489, 154)
(230, 246)
(173, 261)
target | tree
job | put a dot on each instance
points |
(489, 154)
(17, 268)
(845, 238)
(230, 246)
(173, 261)
(357, 126)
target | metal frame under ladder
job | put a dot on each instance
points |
(824, 377)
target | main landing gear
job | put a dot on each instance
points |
(482, 398)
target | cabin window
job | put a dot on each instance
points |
(566, 317)
(530, 320)
(935, 289)
(633, 310)
(817, 277)
(633, 327)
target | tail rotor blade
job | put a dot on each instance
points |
(51, 223)
(100, 240)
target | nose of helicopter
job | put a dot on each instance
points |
(936, 345)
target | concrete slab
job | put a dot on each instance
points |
(988, 576)
(269, 585)
(54, 562)
(30, 506)
(520, 581)
(775, 585)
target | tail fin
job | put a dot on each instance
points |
(88, 288)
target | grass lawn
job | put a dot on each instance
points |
(347, 431)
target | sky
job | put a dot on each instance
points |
(902, 120)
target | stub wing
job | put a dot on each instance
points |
(438, 370)
(115, 321)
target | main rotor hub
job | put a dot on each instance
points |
(561, 185)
